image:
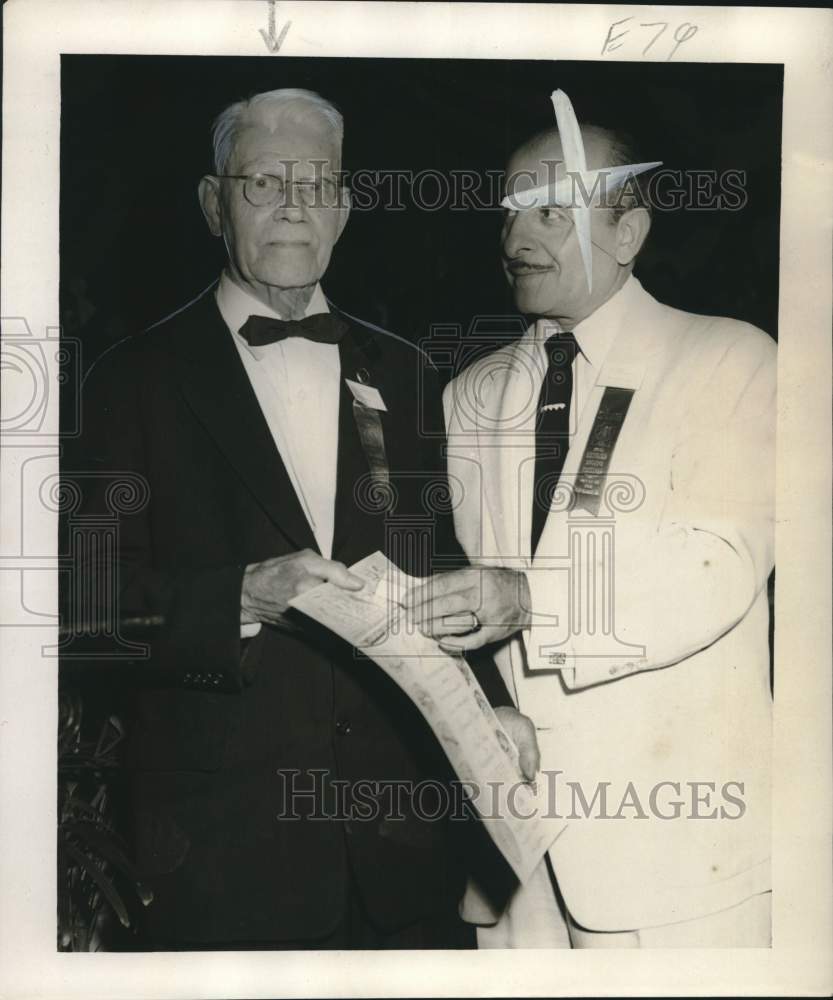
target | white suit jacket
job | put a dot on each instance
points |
(647, 661)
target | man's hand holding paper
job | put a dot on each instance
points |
(269, 586)
(476, 605)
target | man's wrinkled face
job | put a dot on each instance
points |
(540, 249)
(286, 244)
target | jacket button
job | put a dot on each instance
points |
(343, 727)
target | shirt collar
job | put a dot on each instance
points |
(236, 305)
(595, 334)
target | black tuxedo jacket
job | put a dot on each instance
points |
(226, 727)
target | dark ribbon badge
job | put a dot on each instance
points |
(599, 450)
(367, 409)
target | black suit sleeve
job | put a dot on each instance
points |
(196, 641)
(448, 549)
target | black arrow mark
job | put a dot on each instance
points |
(273, 41)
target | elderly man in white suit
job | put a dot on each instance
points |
(629, 616)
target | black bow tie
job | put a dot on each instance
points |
(323, 328)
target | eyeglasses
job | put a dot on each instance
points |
(262, 190)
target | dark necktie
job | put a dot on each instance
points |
(323, 328)
(552, 427)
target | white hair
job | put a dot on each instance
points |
(289, 99)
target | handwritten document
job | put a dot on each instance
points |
(448, 695)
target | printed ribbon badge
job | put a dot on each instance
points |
(367, 408)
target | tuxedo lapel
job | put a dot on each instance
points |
(215, 384)
(358, 529)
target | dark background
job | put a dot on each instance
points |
(134, 246)
(135, 141)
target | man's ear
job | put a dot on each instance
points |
(209, 193)
(344, 205)
(631, 232)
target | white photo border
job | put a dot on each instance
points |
(36, 33)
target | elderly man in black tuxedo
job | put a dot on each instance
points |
(238, 412)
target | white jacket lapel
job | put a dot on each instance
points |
(508, 447)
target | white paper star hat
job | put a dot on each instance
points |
(577, 177)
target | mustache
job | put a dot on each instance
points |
(517, 265)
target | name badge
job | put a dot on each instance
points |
(621, 376)
(599, 448)
(367, 395)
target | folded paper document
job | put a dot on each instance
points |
(446, 692)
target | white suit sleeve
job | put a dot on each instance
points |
(688, 578)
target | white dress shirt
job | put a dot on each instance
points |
(296, 382)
